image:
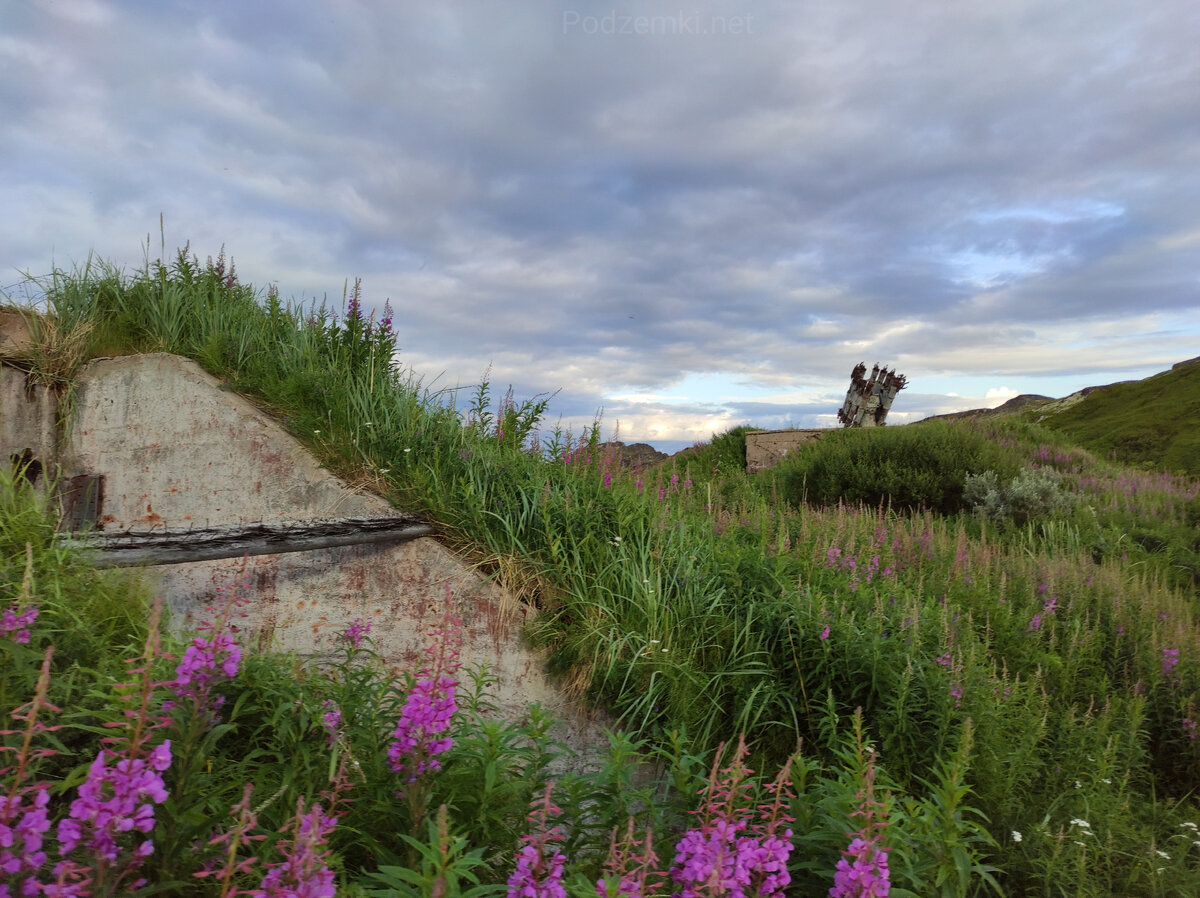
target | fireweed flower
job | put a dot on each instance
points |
(24, 823)
(210, 660)
(863, 869)
(117, 797)
(332, 721)
(15, 623)
(420, 733)
(1170, 657)
(729, 853)
(205, 664)
(356, 632)
(303, 873)
(862, 873)
(539, 869)
(24, 820)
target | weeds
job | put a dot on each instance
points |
(996, 666)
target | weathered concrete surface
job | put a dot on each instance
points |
(175, 449)
(766, 448)
(27, 416)
(300, 602)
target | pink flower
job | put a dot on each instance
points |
(18, 624)
(116, 800)
(303, 873)
(356, 632)
(421, 731)
(862, 872)
(1169, 660)
(539, 869)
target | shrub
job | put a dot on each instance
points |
(1033, 494)
(913, 467)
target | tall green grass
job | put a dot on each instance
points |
(694, 599)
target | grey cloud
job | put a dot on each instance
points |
(947, 187)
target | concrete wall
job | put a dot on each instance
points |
(766, 448)
(27, 417)
(176, 450)
(301, 601)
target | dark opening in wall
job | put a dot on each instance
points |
(26, 467)
(82, 499)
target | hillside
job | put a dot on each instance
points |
(1148, 424)
(976, 628)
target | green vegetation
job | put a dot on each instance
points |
(1027, 679)
(1148, 424)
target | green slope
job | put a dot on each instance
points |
(1152, 423)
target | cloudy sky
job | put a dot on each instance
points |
(689, 216)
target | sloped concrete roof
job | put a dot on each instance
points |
(176, 449)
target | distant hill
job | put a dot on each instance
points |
(1150, 423)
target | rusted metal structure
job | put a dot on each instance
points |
(869, 399)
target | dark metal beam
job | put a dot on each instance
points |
(129, 548)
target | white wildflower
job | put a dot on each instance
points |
(1016, 836)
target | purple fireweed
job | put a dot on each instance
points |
(123, 785)
(333, 723)
(1170, 657)
(304, 872)
(421, 732)
(114, 800)
(15, 623)
(539, 869)
(862, 872)
(731, 852)
(629, 867)
(24, 820)
(356, 631)
(206, 662)
(210, 660)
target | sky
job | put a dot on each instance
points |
(680, 217)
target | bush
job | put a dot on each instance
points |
(915, 467)
(1033, 494)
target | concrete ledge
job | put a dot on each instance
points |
(767, 448)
